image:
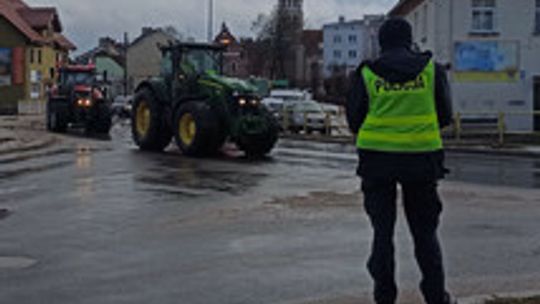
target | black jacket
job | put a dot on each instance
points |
(398, 66)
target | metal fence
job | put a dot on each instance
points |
(491, 127)
(468, 127)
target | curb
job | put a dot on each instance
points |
(480, 150)
(481, 299)
(494, 152)
(35, 145)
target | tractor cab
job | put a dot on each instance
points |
(186, 63)
(76, 78)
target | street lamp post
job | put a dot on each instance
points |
(210, 21)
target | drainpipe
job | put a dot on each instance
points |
(451, 33)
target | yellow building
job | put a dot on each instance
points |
(31, 48)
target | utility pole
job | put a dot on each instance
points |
(126, 44)
(210, 21)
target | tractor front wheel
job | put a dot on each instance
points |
(149, 130)
(101, 122)
(55, 120)
(259, 145)
(197, 131)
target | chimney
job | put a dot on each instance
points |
(105, 42)
(342, 19)
(147, 30)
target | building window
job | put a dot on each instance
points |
(337, 54)
(31, 55)
(352, 38)
(39, 56)
(353, 54)
(537, 21)
(337, 39)
(483, 16)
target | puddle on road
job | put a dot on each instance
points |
(320, 200)
(192, 180)
(16, 262)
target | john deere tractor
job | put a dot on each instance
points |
(200, 108)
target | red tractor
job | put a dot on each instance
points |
(78, 101)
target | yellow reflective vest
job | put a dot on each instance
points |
(402, 117)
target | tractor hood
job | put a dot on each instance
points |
(81, 88)
(234, 84)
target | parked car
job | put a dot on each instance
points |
(122, 105)
(330, 109)
(307, 115)
(275, 106)
(290, 95)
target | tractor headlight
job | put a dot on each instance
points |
(84, 103)
(248, 102)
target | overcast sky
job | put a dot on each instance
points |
(84, 21)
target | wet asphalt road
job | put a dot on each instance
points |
(99, 222)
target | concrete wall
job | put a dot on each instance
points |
(10, 95)
(144, 58)
(449, 22)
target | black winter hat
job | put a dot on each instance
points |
(395, 33)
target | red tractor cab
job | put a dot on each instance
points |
(78, 100)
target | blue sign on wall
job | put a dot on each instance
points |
(486, 56)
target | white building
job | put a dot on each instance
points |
(493, 47)
(343, 44)
(347, 43)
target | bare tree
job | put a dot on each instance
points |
(336, 85)
(279, 33)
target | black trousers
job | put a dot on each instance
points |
(422, 210)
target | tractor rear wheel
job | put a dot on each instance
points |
(149, 129)
(197, 132)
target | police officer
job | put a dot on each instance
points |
(397, 106)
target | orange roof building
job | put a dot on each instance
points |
(31, 47)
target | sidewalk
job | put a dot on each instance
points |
(23, 133)
(527, 297)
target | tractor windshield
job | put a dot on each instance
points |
(79, 78)
(198, 62)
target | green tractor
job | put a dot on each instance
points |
(202, 109)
